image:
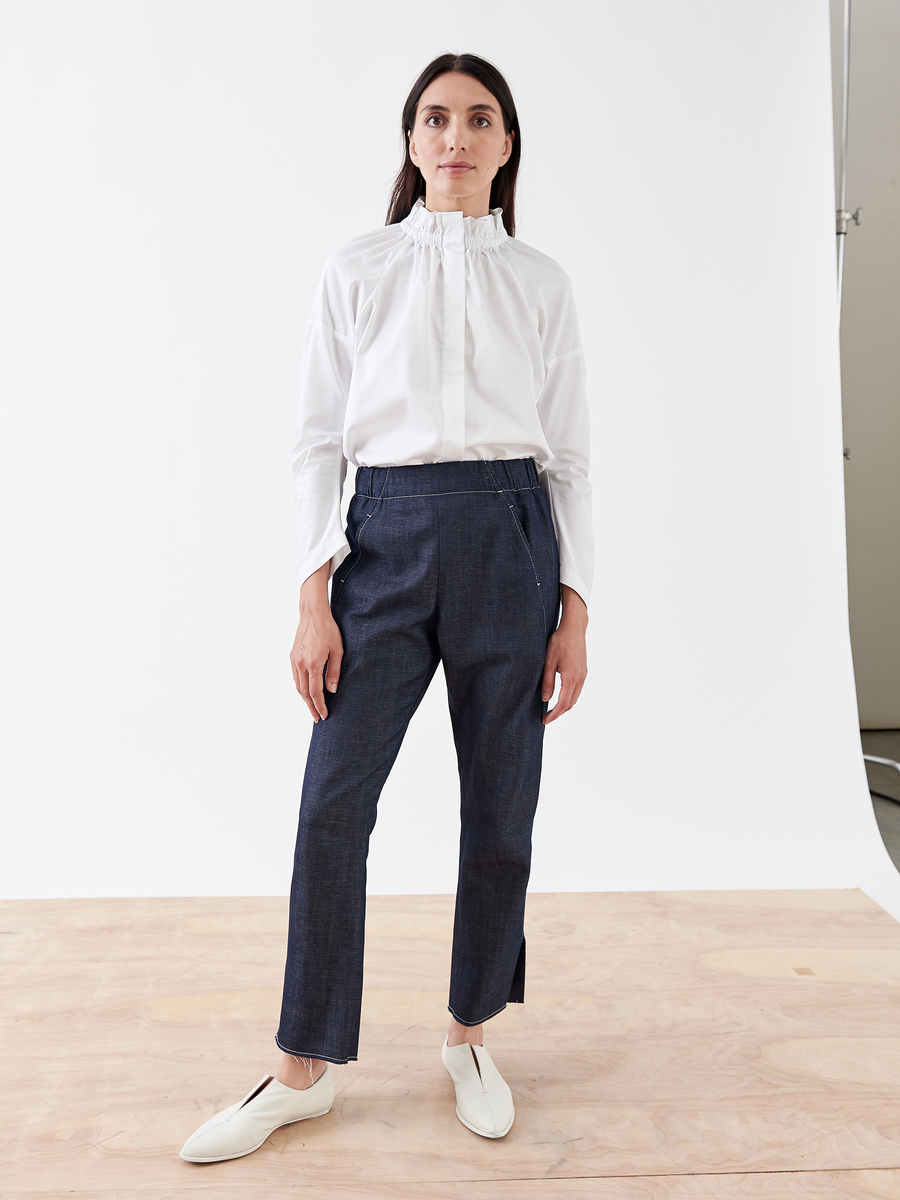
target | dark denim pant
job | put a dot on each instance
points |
(452, 561)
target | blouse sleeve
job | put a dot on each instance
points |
(318, 461)
(563, 411)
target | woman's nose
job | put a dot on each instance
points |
(455, 139)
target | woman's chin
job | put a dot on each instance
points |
(454, 188)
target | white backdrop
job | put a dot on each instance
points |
(175, 174)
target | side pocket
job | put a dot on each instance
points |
(518, 504)
(352, 558)
(549, 546)
(357, 519)
(522, 518)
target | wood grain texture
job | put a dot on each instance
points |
(808, 1185)
(672, 1044)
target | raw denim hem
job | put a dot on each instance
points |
(480, 1020)
(338, 1062)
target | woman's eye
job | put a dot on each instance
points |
(437, 119)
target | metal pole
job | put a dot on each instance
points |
(845, 104)
(842, 218)
(842, 188)
(842, 215)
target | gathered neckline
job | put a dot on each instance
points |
(428, 228)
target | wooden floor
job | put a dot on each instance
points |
(672, 1044)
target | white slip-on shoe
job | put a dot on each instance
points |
(484, 1102)
(244, 1126)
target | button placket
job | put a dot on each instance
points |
(453, 259)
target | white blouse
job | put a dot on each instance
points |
(437, 339)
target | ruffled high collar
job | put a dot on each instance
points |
(449, 228)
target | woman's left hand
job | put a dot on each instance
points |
(566, 655)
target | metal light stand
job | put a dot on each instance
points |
(842, 215)
(843, 218)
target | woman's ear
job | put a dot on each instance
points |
(412, 147)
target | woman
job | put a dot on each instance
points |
(442, 359)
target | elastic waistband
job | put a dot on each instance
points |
(443, 478)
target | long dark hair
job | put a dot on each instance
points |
(409, 184)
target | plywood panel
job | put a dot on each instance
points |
(671, 1044)
(807, 1185)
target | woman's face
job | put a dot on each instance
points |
(458, 141)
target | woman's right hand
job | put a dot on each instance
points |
(318, 641)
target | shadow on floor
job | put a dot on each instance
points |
(885, 743)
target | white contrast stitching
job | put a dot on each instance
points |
(369, 517)
(335, 1062)
(469, 492)
(483, 1019)
(516, 519)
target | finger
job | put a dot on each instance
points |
(579, 686)
(333, 673)
(316, 692)
(303, 689)
(548, 679)
(568, 694)
(563, 702)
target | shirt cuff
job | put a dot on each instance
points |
(573, 580)
(335, 550)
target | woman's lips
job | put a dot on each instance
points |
(456, 168)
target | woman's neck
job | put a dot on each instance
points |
(478, 205)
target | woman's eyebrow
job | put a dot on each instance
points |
(471, 108)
